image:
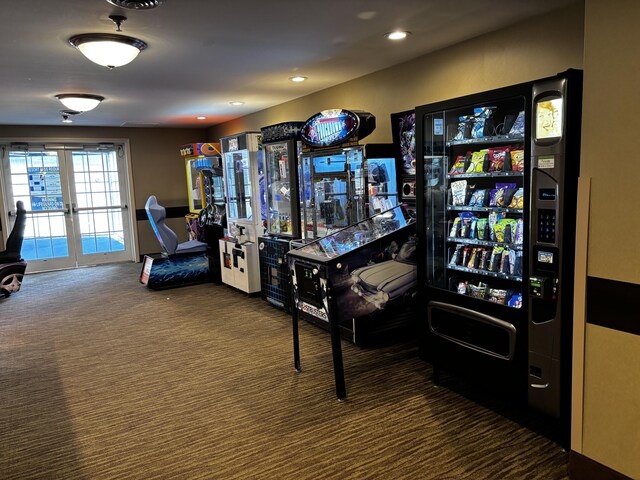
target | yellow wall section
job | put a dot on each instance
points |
(537, 48)
(611, 433)
(610, 136)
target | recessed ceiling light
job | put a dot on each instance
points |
(298, 78)
(397, 35)
(201, 118)
(236, 103)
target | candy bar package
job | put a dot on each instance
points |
(517, 160)
(477, 161)
(485, 258)
(519, 232)
(456, 258)
(455, 227)
(473, 259)
(515, 262)
(497, 295)
(482, 229)
(504, 262)
(473, 232)
(477, 291)
(496, 259)
(466, 255)
(459, 192)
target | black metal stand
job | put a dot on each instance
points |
(296, 339)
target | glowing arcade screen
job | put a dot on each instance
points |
(330, 127)
(549, 118)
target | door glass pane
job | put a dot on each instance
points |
(35, 180)
(279, 186)
(97, 187)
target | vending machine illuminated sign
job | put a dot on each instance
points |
(336, 126)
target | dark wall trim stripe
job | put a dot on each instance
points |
(584, 468)
(172, 212)
(613, 304)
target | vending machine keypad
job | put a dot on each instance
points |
(547, 226)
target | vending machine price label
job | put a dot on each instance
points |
(546, 162)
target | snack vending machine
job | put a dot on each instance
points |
(497, 230)
(244, 184)
(341, 181)
(403, 130)
(281, 146)
(206, 221)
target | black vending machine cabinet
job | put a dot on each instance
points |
(281, 146)
(497, 231)
(342, 181)
(361, 278)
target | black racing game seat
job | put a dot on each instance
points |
(12, 266)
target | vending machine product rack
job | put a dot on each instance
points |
(497, 229)
(281, 146)
(244, 187)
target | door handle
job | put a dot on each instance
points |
(67, 210)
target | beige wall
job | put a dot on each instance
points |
(155, 162)
(611, 423)
(537, 48)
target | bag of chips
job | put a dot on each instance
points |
(497, 295)
(455, 227)
(496, 259)
(497, 158)
(456, 258)
(476, 165)
(478, 291)
(517, 160)
(459, 192)
(482, 229)
(478, 198)
(517, 201)
(460, 165)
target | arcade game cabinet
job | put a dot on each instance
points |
(244, 184)
(342, 181)
(205, 182)
(281, 144)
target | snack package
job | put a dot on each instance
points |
(515, 262)
(504, 262)
(465, 224)
(485, 258)
(505, 195)
(455, 227)
(476, 164)
(477, 291)
(519, 232)
(480, 117)
(456, 258)
(462, 288)
(459, 192)
(497, 295)
(473, 232)
(517, 201)
(497, 158)
(505, 230)
(482, 229)
(478, 198)
(518, 125)
(459, 166)
(496, 259)
(473, 259)
(464, 127)
(516, 300)
(494, 217)
(466, 255)
(517, 160)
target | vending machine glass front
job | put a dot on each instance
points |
(331, 193)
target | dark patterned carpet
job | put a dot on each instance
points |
(102, 378)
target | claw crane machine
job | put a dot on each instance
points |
(342, 180)
(244, 185)
(206, 220)
(281, 145)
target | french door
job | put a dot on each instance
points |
(76, 199)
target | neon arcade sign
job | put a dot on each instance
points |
(334, 127)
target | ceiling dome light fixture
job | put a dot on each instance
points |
(298, 78)
(137, 4)
(236, 103)
(109, 49)
(79, 102)
(397, 35)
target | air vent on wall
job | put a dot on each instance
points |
(137, 4)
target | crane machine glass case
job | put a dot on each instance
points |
(281, 144)
(244, 183)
